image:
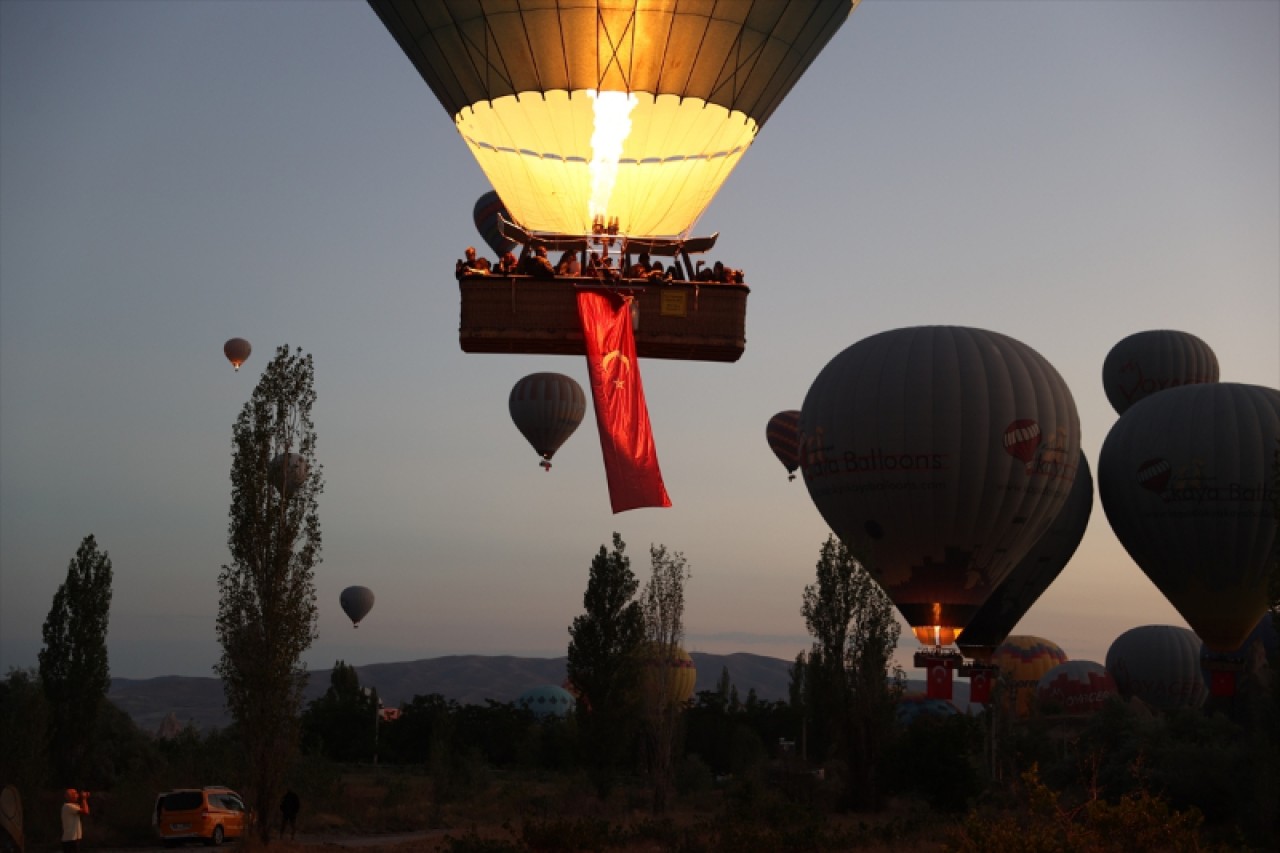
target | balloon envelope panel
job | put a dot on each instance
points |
(1147, 362)
(1028, 580)
(1160, 665)
(939, 455)
(1185, 479)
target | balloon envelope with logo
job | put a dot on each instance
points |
(1075, 687)
(1147, 362)
(1023, 660)
(939, 455)
(1185, 479)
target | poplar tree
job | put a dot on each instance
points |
(73, 663)
(267, 605)
(663, 606)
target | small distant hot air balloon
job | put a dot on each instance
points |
(670, 676)
(546, 701)
(1147, 362)
(1075, 687)
(487, 210)
(1023, 660)
(1159, 665)
(288, 471)
(356, 602)
(1184, 480)
(237, 351)
(783, 435)
(547, 408)
(939, 455)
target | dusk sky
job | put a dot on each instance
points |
(176, 174)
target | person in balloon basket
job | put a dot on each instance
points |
(74, 807)
(472, 265)
(506, 264)
(569, 264)
(537, 265)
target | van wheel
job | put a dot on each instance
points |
(216, 838)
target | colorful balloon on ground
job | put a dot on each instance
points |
(547, 701)
(547, 408)
(913, 706)
(783, 434)
(1159, 665)
(1075, 687)
(1023, 660)
(356, 602)
(288, 471)
(1147, 362)
(1185, 480)
(237, 351)
(673, 675)
(487, 211)
(1034, 573)
(939, 455)
(613, 110)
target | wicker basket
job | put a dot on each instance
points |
(680, 320)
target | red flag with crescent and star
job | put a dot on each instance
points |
(626, 437)
(980, 687)
(939, 681)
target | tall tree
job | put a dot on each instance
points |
(342, 724)
(849, 675)
(603, 664)
(73, 662)
(664, 631)
(267, 608)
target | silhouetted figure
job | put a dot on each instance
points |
(290, 805)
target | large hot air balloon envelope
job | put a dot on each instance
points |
(1034, 573)
(939, 455)
(783, 434)
(1076, 687)
(610, 109)
(1147, 362)
(1023, 660)
(547, 408)
(356, 602)
(488, 211)
(237, 351)
(1159, 665)
(1185, 482)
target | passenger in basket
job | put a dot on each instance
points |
(471, 265)
(569, 264)
(537, 265)
(657, 273)
(641, 268)
(506, 264)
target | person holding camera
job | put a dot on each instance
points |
(74, 809)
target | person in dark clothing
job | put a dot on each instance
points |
(289, 808)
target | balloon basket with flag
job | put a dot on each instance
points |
(1224, 671)
(938, 663)
(692, 321)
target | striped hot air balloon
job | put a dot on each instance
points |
(1023, 660)
(783, 434)
(547, 408)
(1158, 665)
(486, 214)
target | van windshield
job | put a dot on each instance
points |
(181, 801)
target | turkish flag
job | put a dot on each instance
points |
(626, 439)
(980, 687)
(939, 682)
(1222, 683)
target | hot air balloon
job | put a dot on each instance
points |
(671, 675)
(547, 701)
(547, 408)
(237, 351)
(915, 705)
(939, 455)
(356, 602)
(1023, 660)
(288, 471)
(783, 434)
(1034, 573)
(487, 214)
(1246, 665)
(1147, 362)
(1159, 665)
(1185, 482)
(1076, 688)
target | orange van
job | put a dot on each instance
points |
(211, 814)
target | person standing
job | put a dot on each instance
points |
(289, 808)
(75, 807)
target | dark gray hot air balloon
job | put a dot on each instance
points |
(1185, 479)
(1160, 665)
(547, 408)
(939, 455)
(1034, 573)
(356, 602)
(1147, 362)
(288, 471)
(237, 351)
